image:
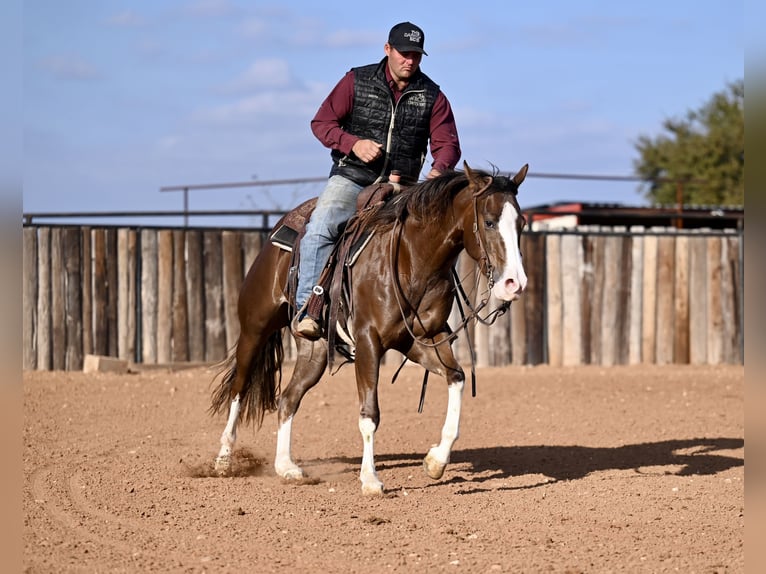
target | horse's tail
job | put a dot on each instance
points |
(262, 382)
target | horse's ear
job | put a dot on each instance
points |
(475, 178)
(520, 175)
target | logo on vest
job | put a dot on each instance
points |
(417, 100)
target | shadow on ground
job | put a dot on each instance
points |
(687, 457)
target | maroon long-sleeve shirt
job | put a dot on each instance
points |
(326, 125)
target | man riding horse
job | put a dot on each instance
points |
(379, 118)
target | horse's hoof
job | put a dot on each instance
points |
(434, 468)
(293, 474)
(372, 488)
(222, 465)
(287, 469)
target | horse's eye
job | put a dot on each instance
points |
(489, 224)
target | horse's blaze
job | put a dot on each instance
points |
(513, 279)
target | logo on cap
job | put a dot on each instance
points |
(413, 36)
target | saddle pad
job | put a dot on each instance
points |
(358, 247)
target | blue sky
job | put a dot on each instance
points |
(121, 98)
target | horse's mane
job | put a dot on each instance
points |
(429, 200)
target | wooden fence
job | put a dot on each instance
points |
(161, 296)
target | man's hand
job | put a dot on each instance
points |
(433, 173)
(367, 150)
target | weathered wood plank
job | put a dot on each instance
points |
(232, 281)
(586, 296)
(733, 324)
(126, 289)
(100, 331)
(58, 301)
(180, 298)
(553, 299)
(681, 334)
(500, 340)
(164, 296)
(73, 286)
(148, 296)
(649, 302)
(111, 291)
(714, 303)
(86, 239)
(698, 288)
(729, 300)
(598, 245)
(571, 298)
(29, 280)
(636, 299)
(535, 304)
(215, 336)
(44, 325)
(517, 329)
(623, 300)
(665, 308)
(610, 308)
(29, 299)
(196, 284)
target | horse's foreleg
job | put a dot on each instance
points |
(283, 462)
(309, 366)
(371, 484)
(438, 456)
(367, 365)
(228, 438)
(441, 361)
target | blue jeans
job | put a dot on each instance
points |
(335, 206)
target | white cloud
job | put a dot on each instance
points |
(211, 8)
(254, 28)
(262, 74)
(127, 19)
(263, 107)
(68, 67)
(353, 38)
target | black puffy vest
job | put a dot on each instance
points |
(405, 139)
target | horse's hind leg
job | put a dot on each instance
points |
(228, 438)
(246, 350)
(309, 367)
(441, 361)
(250, 387)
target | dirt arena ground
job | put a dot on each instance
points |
(589, 469)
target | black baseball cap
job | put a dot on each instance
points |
(406, 37)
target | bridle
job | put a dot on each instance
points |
(485, 264)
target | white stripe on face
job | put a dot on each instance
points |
(513, 279)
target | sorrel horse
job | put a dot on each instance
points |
(402, 293)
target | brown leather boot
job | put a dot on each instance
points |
(307, 327)
(306, 324)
